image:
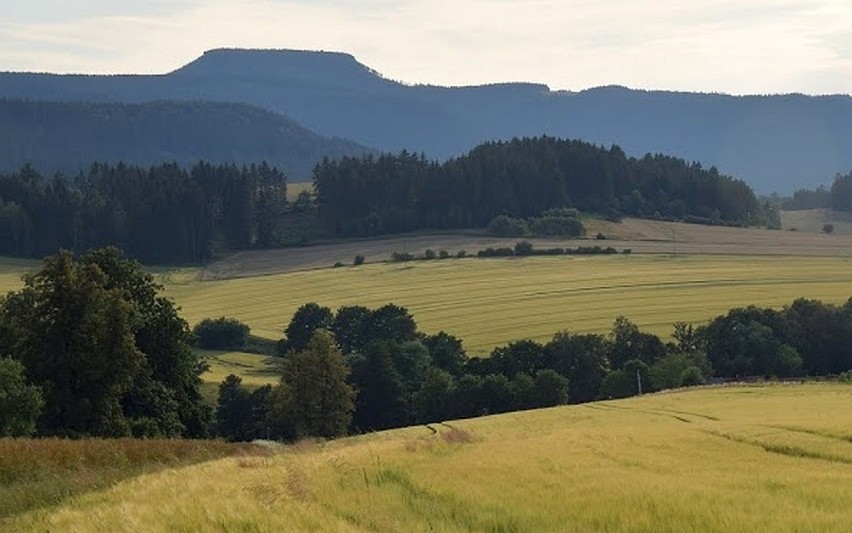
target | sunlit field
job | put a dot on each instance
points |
(255, 370)
(756, 458)
(489, 302)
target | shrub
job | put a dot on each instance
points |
(338, 264)
(828, 228)
(429, 254)
(461, 254)
(401, 257)
(359, 260)
(506, 226)
(443, 254)
(523, 248)
(221, 333)
(600, 236)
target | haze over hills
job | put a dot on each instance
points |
(774, 143)
(68, 136)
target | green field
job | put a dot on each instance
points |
(255, 370)
(491, 302)
(756, 458)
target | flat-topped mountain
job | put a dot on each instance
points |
(773, 142)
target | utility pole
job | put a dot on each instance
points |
(639, 381)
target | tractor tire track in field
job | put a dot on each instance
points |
(783, 449)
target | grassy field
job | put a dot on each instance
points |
(812, 220)
(255, 370)
(757, 458)
(46, 472)
(489, 302)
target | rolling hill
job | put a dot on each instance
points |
(69, 136)
(718, 459)
(776, 143)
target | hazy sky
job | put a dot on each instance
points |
(735, 46)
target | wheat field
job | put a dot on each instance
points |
(489, 302)
(717, 459)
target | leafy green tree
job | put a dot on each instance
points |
(234, 419)
(447, 352)
(625, 382)
(627, 342)
(381, 395)
(549, 389)
(583, 359)
(497, 394)
(467, 397)
(350, 328)
(523, 391)
(74, 336)
(391, 323)
(320, 400)
(525, 356)
(166, 390)
(20, 403)
(306, 320)
(433, 402)
(221, 333)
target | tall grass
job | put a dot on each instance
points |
(637, 467)
(36, 473)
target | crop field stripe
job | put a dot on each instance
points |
(491, 302)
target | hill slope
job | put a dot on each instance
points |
(773, 142)
(771, 458)
(69, 136)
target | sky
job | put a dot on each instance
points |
(728, 46)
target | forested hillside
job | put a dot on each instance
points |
(774, 143)
(524, 178)
(67, 137)
(162, 214)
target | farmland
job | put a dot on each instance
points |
(489, 302)
(759, 458)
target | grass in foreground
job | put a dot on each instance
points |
(37, 473)
(757, 458)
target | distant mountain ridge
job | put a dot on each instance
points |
(772, 142)
(68, 137)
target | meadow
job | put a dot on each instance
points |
(38, 473)
(715, 459)
(490, 302)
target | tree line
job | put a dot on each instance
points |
(524, 178)
(378, 371)
(160, 215)
(838, 196)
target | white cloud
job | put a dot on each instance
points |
(708, 45)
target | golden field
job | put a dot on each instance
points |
(716, 459)
(490, 302)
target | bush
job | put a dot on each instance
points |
(496, 252)
(461, 254)
(828, 228)
(443, 254)
(523, 248)
(20, 403)
(221, 333)
(401, 257)
(338, 264)
(600, 236)
(506, 226)
(430, 254)
(359, 260)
